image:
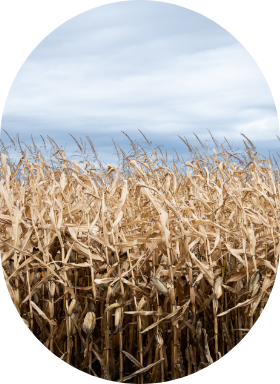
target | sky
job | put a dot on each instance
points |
(145, 65)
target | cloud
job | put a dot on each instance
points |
(141, 65)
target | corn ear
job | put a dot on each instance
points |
(89, 323)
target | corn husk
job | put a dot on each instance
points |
(159, 285)
(254, 280)
(89, 323)
(119, 315)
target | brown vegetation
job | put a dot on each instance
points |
(144, 272)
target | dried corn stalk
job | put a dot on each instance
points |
(161, 268)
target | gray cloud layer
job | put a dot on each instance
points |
(141, 65)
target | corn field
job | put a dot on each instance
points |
(143, 272)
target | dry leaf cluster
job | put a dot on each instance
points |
(145, 278)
